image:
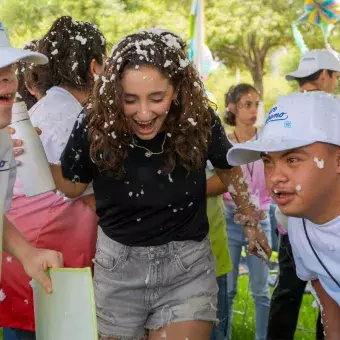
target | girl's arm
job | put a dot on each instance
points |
(69, 188)
(238, 188)
(215, 186)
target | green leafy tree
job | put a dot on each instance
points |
(243, 34)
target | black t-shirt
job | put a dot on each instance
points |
(148, 206)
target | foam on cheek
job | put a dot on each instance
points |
(320, 163)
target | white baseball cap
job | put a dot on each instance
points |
(296, 120)
(9, 54)
(314, 61)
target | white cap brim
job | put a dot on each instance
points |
(299, 74)
(10, 55)
(306, 73)
(251, 151)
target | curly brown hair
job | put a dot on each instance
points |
(70, 46)
(188, 124)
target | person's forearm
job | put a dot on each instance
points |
(237, 187)
(68, 188)
(215, 187)
(13, 242)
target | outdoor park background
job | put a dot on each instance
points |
(251, 40)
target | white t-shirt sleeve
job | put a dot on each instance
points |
(56, 120)
(302, 271)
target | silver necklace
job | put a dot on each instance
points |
(148, 152)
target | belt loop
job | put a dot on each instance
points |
(125, 252)
(171, 249)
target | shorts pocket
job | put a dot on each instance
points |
(194, 256)
(107, 262)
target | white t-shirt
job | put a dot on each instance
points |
(326, 242)
(55, 114)
(7, 169)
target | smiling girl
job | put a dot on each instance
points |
(144, 142)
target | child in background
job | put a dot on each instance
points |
(241, 103)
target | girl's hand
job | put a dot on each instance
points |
(17, 143)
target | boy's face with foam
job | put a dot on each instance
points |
(304, 181)
(8, 88)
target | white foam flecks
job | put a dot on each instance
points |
(231, 189)
(113, 135)
(2, 295)
(174, 210)
(54, 52)
(130, 193)
(111, 102)
(113, 77)
(183, 62)
(74, 66)
(142, 192)
(104, 80)
(170, 178)
(191, 120)
(159, 172)
(54, 43)
(171, 41)
(196, 84)
(9, 259)
(138, 219)
(76, 178)
(167, 63)
(298, 187)
(106, 125)
(190, 204)
(320, 163)
(81, 39)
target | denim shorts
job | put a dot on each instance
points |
(141, 288)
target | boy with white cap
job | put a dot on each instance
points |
(35, 261)
(300, 148)
(318, 70)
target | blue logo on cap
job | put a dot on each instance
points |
(274, 115)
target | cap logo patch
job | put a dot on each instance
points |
(274, 115)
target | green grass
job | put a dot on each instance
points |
(244, 327)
